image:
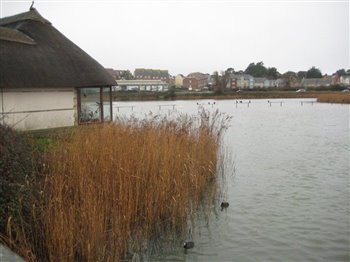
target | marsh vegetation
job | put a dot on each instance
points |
(343, 98)
(102, 192)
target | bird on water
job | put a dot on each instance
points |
(188, 244)
(224, 205)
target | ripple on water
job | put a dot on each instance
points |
(290, 189)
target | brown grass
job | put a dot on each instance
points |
(334, 98)
(108, 189)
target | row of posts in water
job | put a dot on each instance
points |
(272, 102)
(132, 108)
(212, 104)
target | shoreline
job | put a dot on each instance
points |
(321, 96)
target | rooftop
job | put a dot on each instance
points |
(33, 49)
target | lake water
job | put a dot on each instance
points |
(289, 190)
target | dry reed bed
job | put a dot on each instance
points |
(108, 186)
(334, 98)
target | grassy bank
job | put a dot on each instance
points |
(102, 191)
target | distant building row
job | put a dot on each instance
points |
(141, 74)
(200, 81)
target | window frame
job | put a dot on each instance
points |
(101, 105)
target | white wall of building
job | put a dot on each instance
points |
(31, 109)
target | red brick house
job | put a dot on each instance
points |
(196, 81)
(190, 83)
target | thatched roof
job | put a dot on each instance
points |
(35, 54)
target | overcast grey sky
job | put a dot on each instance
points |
(187, 36)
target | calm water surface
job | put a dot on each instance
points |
(289, 189)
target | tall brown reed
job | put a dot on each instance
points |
(334, 98)
(109, 185)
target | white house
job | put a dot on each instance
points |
(244, 81)
(316, 82)
(345, 80)
(142, 85)
(46, 80)
(259, 82)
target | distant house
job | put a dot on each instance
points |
(142, 85)
(211, 81)
(269, 83)
(231, 83)
(179, 79)
(46, 80)
(241, 81)
(259, 82)
(191, 83)
(262, 82)
(345, 80)
(316, 82)
(151, 74)
(196, 81)
(281, 83)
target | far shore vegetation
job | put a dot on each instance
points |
(331, 95)
(103, 192)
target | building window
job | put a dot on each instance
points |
(94, 105)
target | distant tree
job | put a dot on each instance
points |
(341, 72)
(301, 74)
(127, 75)
(260, 70)
(218, 86)
(256, 70)
(272, 73)
(250, 69)
(313, 72)
(290, 77)
(230, 70)
(226, 77)
(289, 74)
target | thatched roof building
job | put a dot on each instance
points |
(35, 54)
(46, 81)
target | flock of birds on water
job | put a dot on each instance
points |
(188, 244)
